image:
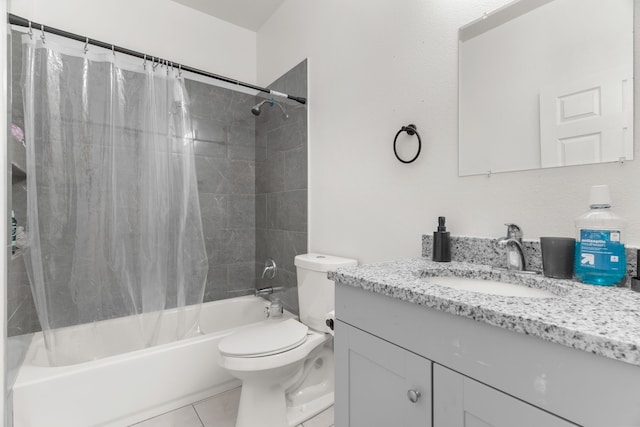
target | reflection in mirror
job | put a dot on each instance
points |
(546, 83)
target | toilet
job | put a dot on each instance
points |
(286, 366)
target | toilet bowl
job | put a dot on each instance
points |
(286, 366)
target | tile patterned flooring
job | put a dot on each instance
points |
(219, 411)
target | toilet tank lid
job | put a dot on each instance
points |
(320, 262)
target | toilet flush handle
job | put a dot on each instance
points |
(329, 322)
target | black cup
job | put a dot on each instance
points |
(557, 256)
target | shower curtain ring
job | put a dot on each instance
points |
(113, 50)
(179, 70)
(86, 46)
(44, 41)
(144, 63)
(30, 31)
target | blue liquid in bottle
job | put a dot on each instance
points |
(600, 254)
(600, 276)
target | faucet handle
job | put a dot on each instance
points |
(270, 269)
(514, 231)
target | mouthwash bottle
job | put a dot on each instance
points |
(600, 256)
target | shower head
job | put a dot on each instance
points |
(256, 109)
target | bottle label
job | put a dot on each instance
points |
(601, 250)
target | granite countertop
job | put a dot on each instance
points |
(596, 319)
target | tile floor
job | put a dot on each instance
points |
(219, 411)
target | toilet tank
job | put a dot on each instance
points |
(316, 293)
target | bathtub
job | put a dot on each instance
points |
(123, 389)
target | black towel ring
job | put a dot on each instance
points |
(410, 130)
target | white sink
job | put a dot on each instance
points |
(490, 287)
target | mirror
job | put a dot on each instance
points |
(546, 83)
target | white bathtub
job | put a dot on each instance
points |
(127, 388)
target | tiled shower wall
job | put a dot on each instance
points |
(225, 149)
(225, 163)
(281, 185)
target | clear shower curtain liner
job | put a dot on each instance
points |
(114, 220)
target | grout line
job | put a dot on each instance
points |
(197, 414)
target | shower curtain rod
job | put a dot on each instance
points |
(22, 22)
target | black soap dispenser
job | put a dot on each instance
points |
(441, 243)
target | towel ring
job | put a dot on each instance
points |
(410, 130)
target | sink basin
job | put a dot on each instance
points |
(490, 287)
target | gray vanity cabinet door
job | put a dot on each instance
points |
(459, 401)
(379, 384)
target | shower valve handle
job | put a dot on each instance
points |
(270, 269)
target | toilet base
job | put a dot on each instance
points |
(314, 391)
(289, 395)
(265, 407)
(262, 404)
(296, 415)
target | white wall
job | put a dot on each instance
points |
(375, 65)
(161, 28)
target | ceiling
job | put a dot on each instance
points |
(250, 14)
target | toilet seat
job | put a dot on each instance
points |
(274, 361)
(266, 339)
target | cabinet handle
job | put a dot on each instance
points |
(413, 395)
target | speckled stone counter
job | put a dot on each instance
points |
(599, 320)
(482, 250)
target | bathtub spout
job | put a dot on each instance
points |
(268, 290)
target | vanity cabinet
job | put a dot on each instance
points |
(468, 373)
(459, 401)
(384, 385)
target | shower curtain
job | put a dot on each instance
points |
(113, 213)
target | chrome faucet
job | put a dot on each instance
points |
(268, 290)
(275, 309)
(515, 251)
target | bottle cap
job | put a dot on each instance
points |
(600, 196)
(441, 226)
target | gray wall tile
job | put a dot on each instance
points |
(291, 133)
(241, 152)
(242, 211)
(295, 169)
(242, 134)
(214, 209)
(230, 246)
(210, 148)
(270, 173)
(210, 130)
(241, 276)
(217, 282)
(293, 81)
(212, 175)
(287, 210)
(261, 211)
(281, 187)
(242, 177)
